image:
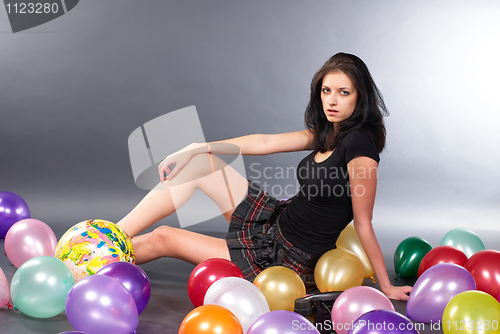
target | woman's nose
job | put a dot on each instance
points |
(333, 100)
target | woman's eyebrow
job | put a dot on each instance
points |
(347, 88)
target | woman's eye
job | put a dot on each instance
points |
(344, 92)
(325, 90)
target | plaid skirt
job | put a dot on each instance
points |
(255, 241)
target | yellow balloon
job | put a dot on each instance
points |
(281, 286)
(349, 240)
(471, 312)
(90, 245)
(338, 270)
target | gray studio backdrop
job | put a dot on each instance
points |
(73, 90)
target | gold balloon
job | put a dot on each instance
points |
(338, 270)
(281, 286)
(349, 240)
(471, 312)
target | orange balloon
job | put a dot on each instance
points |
(210, 319)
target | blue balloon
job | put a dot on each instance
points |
(465, 240)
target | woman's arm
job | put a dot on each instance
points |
(258, 144)
(263, 144)
(363, 184)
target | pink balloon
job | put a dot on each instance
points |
(29, 238)
(354, 302)
(4, 289)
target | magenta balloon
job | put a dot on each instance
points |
(29, 238)
(383, 322)
(100, 304)
(133, 278)
(12, 209)
(435, 288)
(355, 301)
(282, 322)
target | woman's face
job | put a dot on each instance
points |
(338, 96)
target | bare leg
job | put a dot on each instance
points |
(158, 204)
(178, 243)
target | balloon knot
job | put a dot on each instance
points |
(374, 279)
(10, 306)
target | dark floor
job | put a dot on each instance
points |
(168, 306)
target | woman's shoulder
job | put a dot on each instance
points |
(358, 143)
(357, 136)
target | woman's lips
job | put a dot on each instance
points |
(332, 112)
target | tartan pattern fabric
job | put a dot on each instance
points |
(257, 218)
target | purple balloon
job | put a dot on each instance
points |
(282, 322)
(12, 209)
(383, 322)
(73, 332)
(100, 304)
(133, 278)
(435, 288)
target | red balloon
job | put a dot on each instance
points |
(206, 273)
(442, 254)
(484, 267)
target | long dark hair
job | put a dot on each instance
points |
(367, 115)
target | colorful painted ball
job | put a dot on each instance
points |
(90, 245)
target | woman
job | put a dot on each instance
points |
(338, 179)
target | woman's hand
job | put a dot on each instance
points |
(178, 159)
(397, 292)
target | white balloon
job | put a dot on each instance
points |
(239, 296)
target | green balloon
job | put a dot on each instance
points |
(463, 239)
(40, 286)
(408, 256)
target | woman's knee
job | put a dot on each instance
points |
(161, 234)
(167, 240)
(199, 166)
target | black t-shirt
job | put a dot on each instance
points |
(322, 208)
